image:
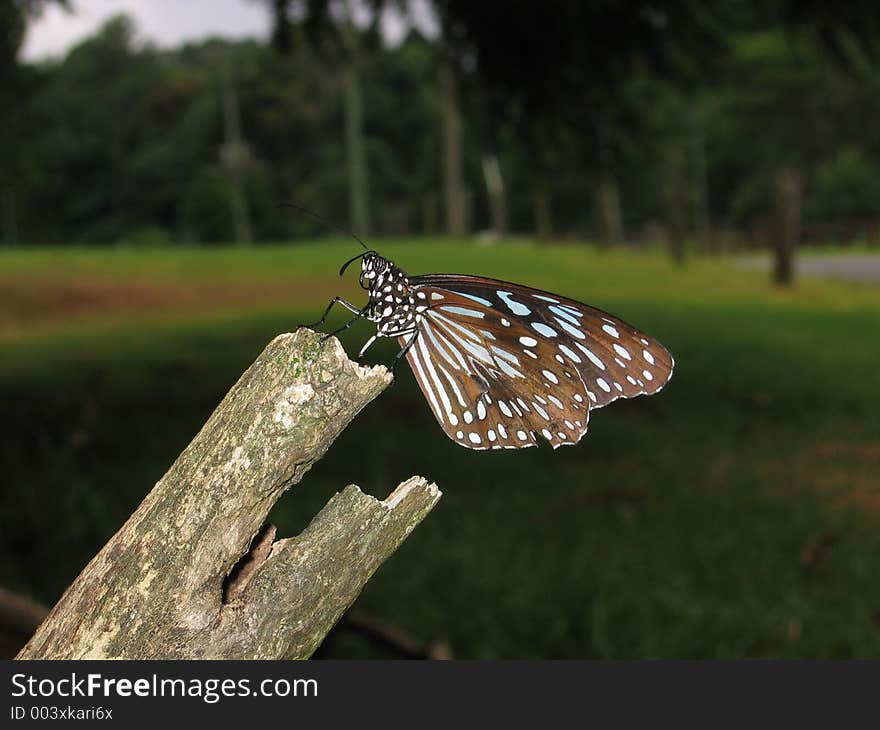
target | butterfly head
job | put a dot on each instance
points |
(373, 269)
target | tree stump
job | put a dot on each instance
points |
(191, 574)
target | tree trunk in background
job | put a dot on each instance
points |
(608, 210)
(675, 198)
(700, 178)
(608, 217)
(453, 182)
(495, 189)
(9, 220)
(543, 213)
(358, 187)
(431, 214)
(234, 154)
(789, 189)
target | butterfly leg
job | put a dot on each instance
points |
(360, 313)
(406, 347)
(336, 300)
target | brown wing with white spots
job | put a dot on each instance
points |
(477, 370)
(502, 365)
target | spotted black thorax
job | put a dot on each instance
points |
(392, 304)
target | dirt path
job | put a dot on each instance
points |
(862, 268)
(42, 302)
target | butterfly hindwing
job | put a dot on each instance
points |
(502, 364)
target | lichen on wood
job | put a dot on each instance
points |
(161, 587)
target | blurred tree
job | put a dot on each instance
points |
(355, 146)
(702, 142)
(332, 28)
(112, 150)
(235, 155)
(17, 84)
(846, 185)
(454, 194)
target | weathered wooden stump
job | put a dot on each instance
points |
(191, 574)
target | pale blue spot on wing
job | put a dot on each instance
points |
(543, 329)
(559, 311)
(429, 331)
(571, 353)
(507, 370)
(475, 349)
(451, 325)
(571, 310)
(513, 306)
(573, 331)
(465, 312)
(506, 355)
(475, 298)
(591, 356)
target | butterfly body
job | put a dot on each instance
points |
(392, 305)
(503, 365)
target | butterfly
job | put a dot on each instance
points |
(503, 365)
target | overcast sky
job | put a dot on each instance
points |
(170, 22)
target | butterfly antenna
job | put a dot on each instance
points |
(325, 221)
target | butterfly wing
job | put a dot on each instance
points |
(501, 364)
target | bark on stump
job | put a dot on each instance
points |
(172, 584)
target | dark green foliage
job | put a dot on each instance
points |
(690, 136)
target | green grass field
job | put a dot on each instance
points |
(690, 524)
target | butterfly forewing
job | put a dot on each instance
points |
(503, 365)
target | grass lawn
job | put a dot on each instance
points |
(690, 524)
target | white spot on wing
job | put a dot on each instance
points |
(571, 353)
(591, 356)
(550, 376)
(622, 351)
